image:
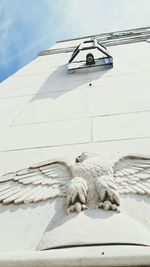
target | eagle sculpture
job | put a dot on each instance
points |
(90, 179)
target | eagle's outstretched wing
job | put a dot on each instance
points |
(39, 182)
(132, 174)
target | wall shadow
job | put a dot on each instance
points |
(61, 81)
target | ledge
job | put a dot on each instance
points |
(83, 257)
(107, 39)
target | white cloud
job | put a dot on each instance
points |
(97, 16)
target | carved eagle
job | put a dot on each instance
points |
(90, 179)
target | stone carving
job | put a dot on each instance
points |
(89, 180)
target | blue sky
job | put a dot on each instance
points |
(29, 26)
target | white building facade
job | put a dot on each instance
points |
(47, 112)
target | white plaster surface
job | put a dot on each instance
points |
(120, 98)
(10, 108)
(63, 105)
(121, 127)
(44, 134)
(143, 63)
(19, 228)
(19, 82)
(43, 64)
(46, 112)
(85, 102)
(95, 227)
(136, 51)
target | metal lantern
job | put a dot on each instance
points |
(90, 53)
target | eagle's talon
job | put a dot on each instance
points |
(101, 205)
(77, 207)
(84, 207)
(114, 207)
(107, 205)
(70, 209)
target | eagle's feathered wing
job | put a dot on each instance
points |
(132, 174)
(39, 182)
(48, 180)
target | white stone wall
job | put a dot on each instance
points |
(46, 112)
(62, 109)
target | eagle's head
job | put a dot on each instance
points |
(84, 156)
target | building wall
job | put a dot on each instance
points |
(46, 112)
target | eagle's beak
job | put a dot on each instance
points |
(77, 160)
